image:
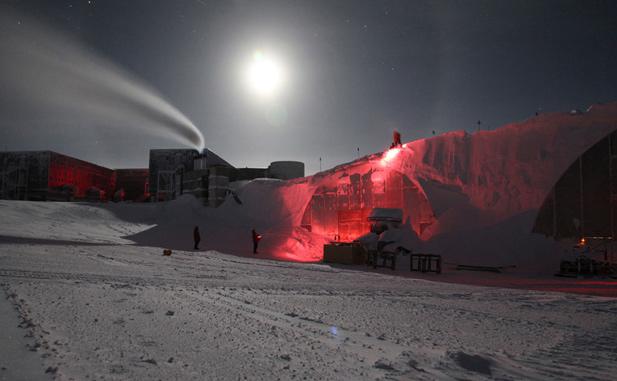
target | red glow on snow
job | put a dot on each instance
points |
(377, 178)
(340, 205)
(442, 184)
(297, 250)
(389, 155)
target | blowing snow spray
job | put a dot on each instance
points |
(51, 77)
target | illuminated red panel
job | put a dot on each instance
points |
(353, 224)
(65, 170)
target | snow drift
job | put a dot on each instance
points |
(473, 199)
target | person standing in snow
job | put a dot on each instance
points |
(196, 237)
(256, 238)
(396, 139)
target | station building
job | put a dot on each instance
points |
(47, 175)
(206, 175)
(51, 176)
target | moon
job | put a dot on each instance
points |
(265, 75)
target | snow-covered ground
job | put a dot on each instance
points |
(100, 308)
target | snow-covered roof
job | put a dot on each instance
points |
(386, 214)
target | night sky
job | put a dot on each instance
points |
(356, 70)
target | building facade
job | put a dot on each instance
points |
(50, 176)
(134, 183)
(206, 175)
(47, 175)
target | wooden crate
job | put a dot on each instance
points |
(344, 253)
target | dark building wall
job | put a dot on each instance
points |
(286, 170)
(134, 182)
(222, 171)
(249, 174)
(218, 184)
(177, 160)
(582, 202)
(213, 159)
(24, 174)
(196, 183)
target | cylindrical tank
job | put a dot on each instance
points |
(286, 170)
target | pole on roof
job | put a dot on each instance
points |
(582, 211)
(610, 184)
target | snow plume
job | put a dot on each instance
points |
(53, 78)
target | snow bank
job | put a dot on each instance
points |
(477, 194)
(66, 222)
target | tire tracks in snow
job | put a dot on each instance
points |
(380, 356)
(205, 280)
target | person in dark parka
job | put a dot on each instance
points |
(256, 239)
(196, 237)
(396, 139)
